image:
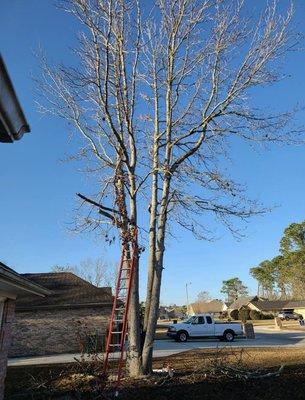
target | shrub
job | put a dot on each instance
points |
(254, 314)
(243, 314)
(234, 315)
(267, 316)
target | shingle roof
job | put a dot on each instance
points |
(243, 301)
(274, 305)
(208, 306)
(67, 290)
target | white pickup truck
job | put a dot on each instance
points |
(203, 325)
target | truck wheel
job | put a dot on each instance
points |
(182, 336)
(228, 336)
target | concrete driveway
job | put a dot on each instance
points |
(265, 337)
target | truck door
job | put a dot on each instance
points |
(202, 326)
(209, 328)
(198, 326)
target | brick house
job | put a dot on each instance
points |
(12, 285)
(75, 312)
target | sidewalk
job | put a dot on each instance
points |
(69, 358)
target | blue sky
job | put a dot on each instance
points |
(37, 199)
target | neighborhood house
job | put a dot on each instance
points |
(12, 285)
(75, 314)
(268, 307)
(216, 307)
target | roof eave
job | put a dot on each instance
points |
(13, 123)
(62, 306)
(19, 282)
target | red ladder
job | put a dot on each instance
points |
(118, 322)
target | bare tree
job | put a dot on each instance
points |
(203, 296)
(96, 271)
(158, 96)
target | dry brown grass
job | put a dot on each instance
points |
(192, 379)
(254, 358)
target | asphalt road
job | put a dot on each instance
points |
(264, 337)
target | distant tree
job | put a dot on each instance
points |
(96, 271)
(293, 238)
(284, 275)
(264, 273)
(63, 268)
(233, 288)
(203, 296)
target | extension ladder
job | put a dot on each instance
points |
(117, 331)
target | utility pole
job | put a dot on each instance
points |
(187, 296)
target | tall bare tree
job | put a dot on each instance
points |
(158, 96)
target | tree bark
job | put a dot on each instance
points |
(156, 287)
(153, 204)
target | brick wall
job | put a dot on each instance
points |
(57, 331)
(5, 339)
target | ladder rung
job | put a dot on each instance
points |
(118, 320)
(116, 333)
(115, 345)
(126, 269)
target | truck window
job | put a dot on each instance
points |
(200, 320)
(209, 320)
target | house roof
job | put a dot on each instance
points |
(242, 301)
(200, 307)
(273, 305)
(67, 290)
(13, 283)
(12, 120)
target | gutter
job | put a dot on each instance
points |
(13, 123)
(14, 279)
(61, 306)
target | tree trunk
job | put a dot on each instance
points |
(134, 360)
(154, 201)
(152, 244)
(156, 287)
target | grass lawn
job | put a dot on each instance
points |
(196, 377)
